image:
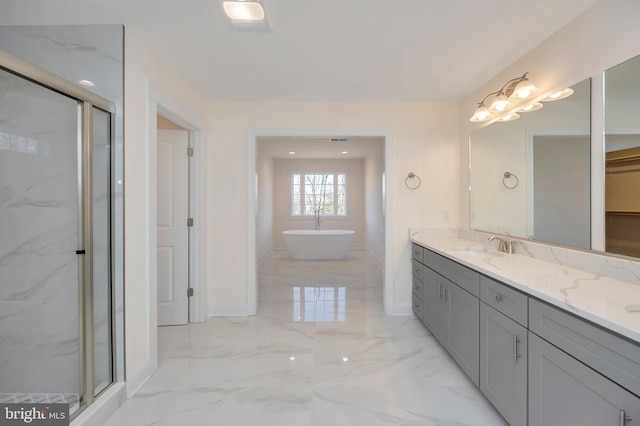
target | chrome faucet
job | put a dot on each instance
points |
(504, 245)
(317, 218)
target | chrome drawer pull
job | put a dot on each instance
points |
(515, 349)
(498, 298)
(624, 419)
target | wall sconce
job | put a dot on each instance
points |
(516, 96)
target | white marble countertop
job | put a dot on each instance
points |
(608, 302)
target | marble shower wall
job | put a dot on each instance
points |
(39, 330)
(93, 52)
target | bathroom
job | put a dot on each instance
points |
(359, 160)
(430, 139)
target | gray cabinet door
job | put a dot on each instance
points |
(433, 303)
(563, 391)
(462, 325)
(503, 364)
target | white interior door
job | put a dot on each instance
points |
(173, 233)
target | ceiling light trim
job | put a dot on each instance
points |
(246, 15)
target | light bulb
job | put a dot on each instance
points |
(510, 117)
(500, 103)
(482, 114)
(523, 90)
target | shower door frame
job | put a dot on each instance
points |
(86, 102)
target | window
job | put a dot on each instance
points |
(324, 192)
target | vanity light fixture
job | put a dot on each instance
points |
(510, 117)
(249, 14)
(560, 94)
(518, 95)
(511, 95)
(531, 107)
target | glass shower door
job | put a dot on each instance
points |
(102, 249)
(40, 231)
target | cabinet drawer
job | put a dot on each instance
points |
(417, 306)
(418, 288)
(504, 299)
(418, 270)
(417, 253)
(466, 278)
(607, 353)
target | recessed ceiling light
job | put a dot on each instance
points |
(246, 14)
(87, 83)
(243, 10)
(292, 152)
(345, 152)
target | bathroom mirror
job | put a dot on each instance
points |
(531, 177)
(622, 158)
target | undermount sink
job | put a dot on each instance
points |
(478, 252)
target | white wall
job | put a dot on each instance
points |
(142, 67)
(374, 212)
(355, 219)
(425, 141)
(264, 218)
(605, 35)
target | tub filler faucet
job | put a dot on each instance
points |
(317, 218)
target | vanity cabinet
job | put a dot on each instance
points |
(418, 289)
(503, 364)
(564, 391)
(503, 349)
(536, 363)
(579, 373)
(451, 312)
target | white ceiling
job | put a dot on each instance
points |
(326, 50)
(320, 148)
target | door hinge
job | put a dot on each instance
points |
(190, 221)
(189, 152)
(190, 292)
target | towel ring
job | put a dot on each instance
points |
(508, 175)
(412, 176)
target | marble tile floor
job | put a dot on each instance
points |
(320, 351)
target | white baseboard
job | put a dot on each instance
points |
(229, 311)
(373, 259)
(139, 378)
(103, 407)
(402, 310)
(265, 257)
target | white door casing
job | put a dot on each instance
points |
(172, 230)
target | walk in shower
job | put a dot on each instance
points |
(60, 240)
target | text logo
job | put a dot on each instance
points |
(34, 414)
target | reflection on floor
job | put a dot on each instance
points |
(319, 352)
(319, 303)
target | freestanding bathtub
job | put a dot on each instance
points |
(320, 244)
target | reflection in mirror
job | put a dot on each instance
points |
(622, 146)
(531, 177)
